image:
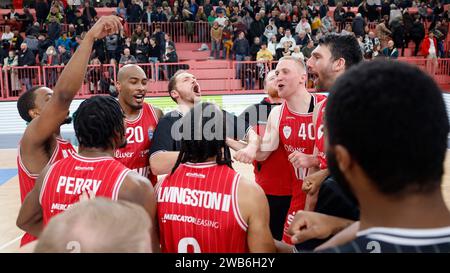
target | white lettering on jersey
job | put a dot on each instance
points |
(195, 198)
(76, 186)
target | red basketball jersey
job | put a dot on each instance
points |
(67, 179)
(277, 163)
(296, 132)
(139, 133)
(320, 139)
(198, 210)
(27, 180)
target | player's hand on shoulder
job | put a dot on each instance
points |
(301, 160)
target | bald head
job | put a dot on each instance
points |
(130, 70)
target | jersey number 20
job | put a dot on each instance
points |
(135, 134)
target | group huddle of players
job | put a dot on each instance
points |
(202, 204)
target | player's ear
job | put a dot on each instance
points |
(339, 65)
(118, 86)
(34, 113)
(174, 94)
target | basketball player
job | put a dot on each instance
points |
(397, 182)
(140, 118)
(278, 188)
(93, 226)
(99, 127)
(204, 205)
(185, 91)
(329, 60)
(291, 126)
(47, 110)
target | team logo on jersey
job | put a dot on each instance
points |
(287, 131)
(150, 133)
(320, 132)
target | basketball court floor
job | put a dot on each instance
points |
(10, 198)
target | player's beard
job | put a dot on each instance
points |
(273, 93)
(337, 174)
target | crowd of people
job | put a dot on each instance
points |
(271, 29)
(342, 188)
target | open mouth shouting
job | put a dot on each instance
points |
(196, 89)
(139, 98)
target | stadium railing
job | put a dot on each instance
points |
(214, 77)
(181, 32)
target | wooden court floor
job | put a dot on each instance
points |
(10, 198)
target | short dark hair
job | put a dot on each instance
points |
(343, 46)
(173, 83)
(395, 129)
(26, 102)
(97, 121)
(199, 144)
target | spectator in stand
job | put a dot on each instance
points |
(385, 9)
(122, 11)
(395, 14)
(33, 29)
(256, 28)
(50, 58)
(55, 15)
(216, 40)
(12, 14)
(134, 12)
(316, 24)
(390, 52)
(127, 58)
(297, 54)
(42, 10)
(212, 17)
(208, 7)
(169, 42)
(64, 41)
(383, 31)
(264, 55)
(159, 15)
(63, 55)
(302, 25)
(247, 19)
(288, 37)
(17, 40)
(308, 49)
(254, 48)
(398, 34)
(227, 38)
(338, 15)
(142, 50)
(26, 58)
(272, 46)
(8, 34)
(283, 22)
(294, 22)
(221, 18)
(70, 14)
(193, 8)
(137, 34)
(128, 44)
(324, 8)
(370, 42)
(417, 33)
(112, 46)
(154, 51)
(81, 23)
(358, 25)
(440, 33)
(160, 39)
(89, 13)
(43, 44)
(171, 57)
(72, 32)
(270, 30)
(241, 48)
(9, 62)
(32, 43)
(430, 47)
(26, 18)
(201, 15)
